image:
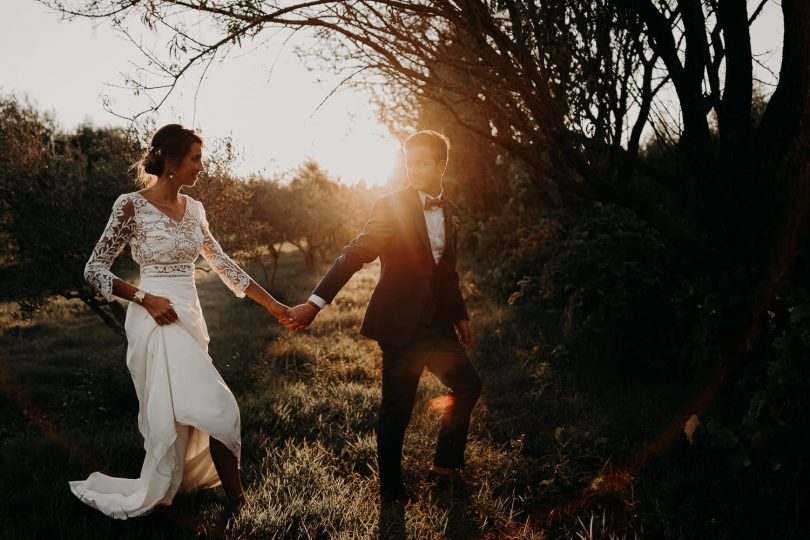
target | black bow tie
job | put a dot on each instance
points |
(433, 202)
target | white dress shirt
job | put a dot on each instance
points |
(434, 220)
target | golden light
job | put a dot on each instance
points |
(440, 403)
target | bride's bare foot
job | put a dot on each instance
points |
(228, 469)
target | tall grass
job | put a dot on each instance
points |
(308, 403)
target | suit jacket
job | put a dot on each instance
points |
(410, 280)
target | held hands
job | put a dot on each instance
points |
(279, 311)
(464, 332)
(160, 309)
(300, 316)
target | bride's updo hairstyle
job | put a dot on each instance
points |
(169, 145)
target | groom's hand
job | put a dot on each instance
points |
(465, 334)
(301, 316)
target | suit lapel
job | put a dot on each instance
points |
(418, 215)
(449, 240)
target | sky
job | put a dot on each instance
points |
(273, 115)
(263, 97)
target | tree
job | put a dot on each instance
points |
(567, 87)
(58, 189)
(266, 208)
(316, 214)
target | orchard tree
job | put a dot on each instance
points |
(569, 88)
(57, 192)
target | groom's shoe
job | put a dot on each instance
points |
(453, 479)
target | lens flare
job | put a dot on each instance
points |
(440, 403)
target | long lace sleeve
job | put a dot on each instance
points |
(229, 272)
(117, 233)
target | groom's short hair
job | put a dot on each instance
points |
(437, 143)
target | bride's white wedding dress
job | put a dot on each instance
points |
(182, 398)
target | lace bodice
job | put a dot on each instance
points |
(160, 245)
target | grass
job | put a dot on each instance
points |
(542, 445)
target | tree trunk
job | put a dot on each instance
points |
(274, 254)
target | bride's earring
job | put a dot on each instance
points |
(171, 175)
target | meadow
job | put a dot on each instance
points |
(634, 232)
(540, 452)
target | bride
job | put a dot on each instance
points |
(187, 415)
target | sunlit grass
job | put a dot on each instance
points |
(308, 402)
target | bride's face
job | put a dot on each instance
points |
(190, 167)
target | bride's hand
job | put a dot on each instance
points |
(284, 316)
(160, 309)
(300, 316)
(279, 311)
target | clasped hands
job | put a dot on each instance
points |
(301, 316)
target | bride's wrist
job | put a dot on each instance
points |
(275, 308)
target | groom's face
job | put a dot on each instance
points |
(424, 172)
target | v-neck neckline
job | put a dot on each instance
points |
(161, 212)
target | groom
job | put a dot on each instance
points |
(416, 312)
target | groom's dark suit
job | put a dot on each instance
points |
(411, 315)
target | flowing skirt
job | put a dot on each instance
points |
(182, 401)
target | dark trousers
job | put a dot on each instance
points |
(437, 348)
